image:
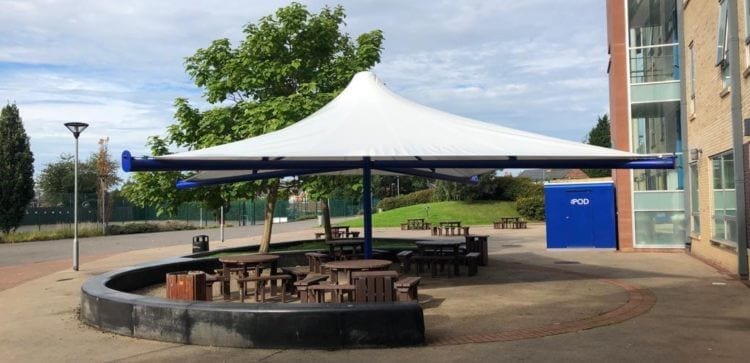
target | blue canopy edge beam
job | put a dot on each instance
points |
(187, 184)
(431, 175)
(367, 204)
(130, 163)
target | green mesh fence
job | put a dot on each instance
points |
(59, 210)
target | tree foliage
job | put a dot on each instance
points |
(384, 186)
(288, 66)
(106, 170)
(489, 187)
(16, 169)
(600, 136)
(56, 181)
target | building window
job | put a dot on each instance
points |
(656, 130)
(724, 201)
(653, 41)
(692, 78)
(722, 42)
(652, 22)
(722, 34)
(694, 199)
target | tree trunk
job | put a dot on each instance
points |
(273, 191)
(326, 219)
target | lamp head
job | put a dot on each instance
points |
(76, 127)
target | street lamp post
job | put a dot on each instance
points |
(76, 128)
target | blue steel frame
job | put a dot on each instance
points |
(278, 167)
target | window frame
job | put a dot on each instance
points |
(727, 219)
(695, 225)
(692, 78)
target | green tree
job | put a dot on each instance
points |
(321, 188)
(106, 170)
(56, 180)
(384, 186)
(288, 66)
(17, 169)
(600, 136)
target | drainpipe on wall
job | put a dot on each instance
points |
(737, 135)
(687, 181)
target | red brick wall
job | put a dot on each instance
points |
(619, 115)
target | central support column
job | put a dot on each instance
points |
(367, 205)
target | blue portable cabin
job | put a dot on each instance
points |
(581, 215)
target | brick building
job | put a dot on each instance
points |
(656, 108)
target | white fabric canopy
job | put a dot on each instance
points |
(369, 120)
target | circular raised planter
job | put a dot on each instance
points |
(107, 304)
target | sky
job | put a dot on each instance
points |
(535, 65)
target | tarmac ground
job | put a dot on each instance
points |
(528, 304)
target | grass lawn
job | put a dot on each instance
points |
(476, 213)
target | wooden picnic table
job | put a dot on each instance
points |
(433, 251)
(338, 232)
(415, 223)
(337, 248)
(506, 222)
(244, 261)
(449, 228)
(354, 265)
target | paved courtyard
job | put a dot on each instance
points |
(528, 304)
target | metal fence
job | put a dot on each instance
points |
(240, 212)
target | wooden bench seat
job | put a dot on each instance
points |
(260, 285)
(406, 289)
(433, 262)
(302, 286)
(210, 281)
(472, 261)
(317, 293)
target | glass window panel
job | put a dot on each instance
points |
(692, 73)
(652, 22)
(694, 184)
(660, 228)
(728, 161)
(654, 64)
(656, 180)
(718, 227)
(716, 168)
(731, 230)
(730, 201)
(656, 129)
(721, 33)
(724, 198)
(654, 92)
(660, 201)
(694, 198)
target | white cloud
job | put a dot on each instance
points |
(538, 65)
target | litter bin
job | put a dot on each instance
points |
(187, 285)
(200, 243)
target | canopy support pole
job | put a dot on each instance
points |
(367, 205)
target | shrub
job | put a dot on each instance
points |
(489, 187)
(531, 207)
(418, 197)
(131, 228)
